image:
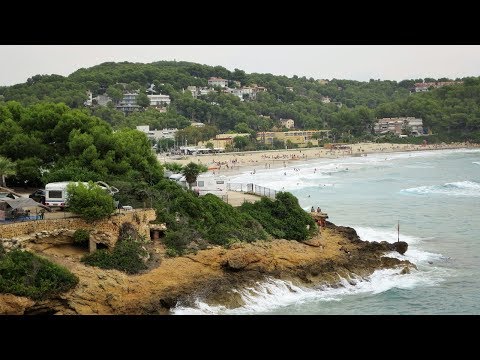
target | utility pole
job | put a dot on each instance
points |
(398, 231)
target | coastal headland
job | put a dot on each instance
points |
(216, 275)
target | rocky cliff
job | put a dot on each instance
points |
(211, 275)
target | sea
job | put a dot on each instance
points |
(434, 198)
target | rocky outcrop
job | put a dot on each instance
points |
(400, 246)
(213, 274)
(14, 305)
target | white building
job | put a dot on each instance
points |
(193, 91)
(157, 134)
(288, 123)
(197, 124)
(159, 100)
(214, 81)
(102, 100)
(398, 124)
(128, 103)
(204, 91)
(326, 99)
(236, 92)
(89, 100)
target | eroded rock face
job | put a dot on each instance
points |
(14, 305)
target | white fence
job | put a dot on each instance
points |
(252, 189)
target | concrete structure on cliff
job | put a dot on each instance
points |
(60, 231)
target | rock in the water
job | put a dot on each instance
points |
(400, 246)
(405, 270)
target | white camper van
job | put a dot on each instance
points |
(56, 192)
(205, 184)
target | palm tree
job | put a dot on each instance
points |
(7, 168)
(174, 167)
(191, 172)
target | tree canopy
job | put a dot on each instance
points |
(51, 142)
(352, 106)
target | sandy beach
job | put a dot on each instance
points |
(233, 163)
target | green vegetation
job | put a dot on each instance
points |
(174, 167)
(25, 274)
(7, 168)
(191, 172)
(283, 218)
(81, 237)
(201, 220)
(126, 256)
(91, 202)
(50, 142)
(451, 111)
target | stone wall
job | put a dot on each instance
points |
(54, 231)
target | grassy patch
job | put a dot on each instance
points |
(26, 274)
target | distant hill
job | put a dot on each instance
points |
(347, 107)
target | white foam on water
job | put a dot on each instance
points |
(388, 235)
(476, 162)
(313, 172)
(413, 254)
(273, 294)
(459, 188)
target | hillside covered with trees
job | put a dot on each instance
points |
(451, 112)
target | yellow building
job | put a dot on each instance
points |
(222, 140)
(299, 137)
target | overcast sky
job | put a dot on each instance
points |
(356, 62)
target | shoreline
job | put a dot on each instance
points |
(230, 164)
(215, 275)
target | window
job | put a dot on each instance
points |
(201, 183)
(55, 194)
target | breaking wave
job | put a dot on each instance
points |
(460, 188)
(273, 294)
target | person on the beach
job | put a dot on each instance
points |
(319, 210)
(312, 209)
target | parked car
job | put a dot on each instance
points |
(38, 196)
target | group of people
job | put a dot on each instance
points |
(318, 209)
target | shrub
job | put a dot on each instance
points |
(90, 202)
(81, 237)
(171, 252)
(26, 274)
(281, 218)
(126, 256)
(179, 240)
(211, 218)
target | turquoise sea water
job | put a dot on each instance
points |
(436, 197)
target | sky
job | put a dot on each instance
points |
(353, 62)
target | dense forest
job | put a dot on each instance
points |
(51, 142)
(451, 112)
